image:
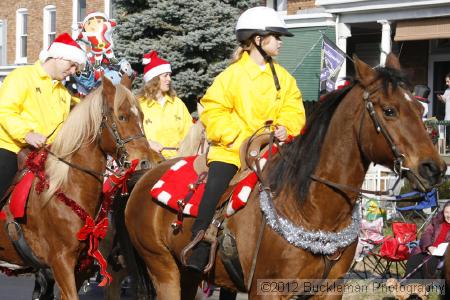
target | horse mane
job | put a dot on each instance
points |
(80, 128)
(393, 77)
(304, 152)
(190, 145)
(191, 142)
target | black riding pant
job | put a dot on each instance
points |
(8, 168)
(219, 177)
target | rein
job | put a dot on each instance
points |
(95, 174)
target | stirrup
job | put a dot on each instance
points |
(192, 244)
(212, 256)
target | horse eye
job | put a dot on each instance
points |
(389, 112)
(122, 118)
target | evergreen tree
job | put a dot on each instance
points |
(195, 36)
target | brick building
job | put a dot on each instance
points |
(27, 26)
(417, 30)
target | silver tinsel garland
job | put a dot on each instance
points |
(318, 242)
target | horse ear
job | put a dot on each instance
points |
(126, 81)
(393, 62)
(365, 74)
(109, 89)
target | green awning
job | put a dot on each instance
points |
(302, 59)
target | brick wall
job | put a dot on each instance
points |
(295, 5)
(35, 9)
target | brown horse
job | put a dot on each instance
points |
(315, 182)
(108, 121)
(193, 143)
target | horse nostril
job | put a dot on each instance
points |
(145, 164)
(430, 171)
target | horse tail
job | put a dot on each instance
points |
(134, 263)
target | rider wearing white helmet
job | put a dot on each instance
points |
(260, 21)
(240, 101)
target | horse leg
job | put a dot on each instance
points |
(189, 284)
(63, 268)
(114, 290)
(43, 285)
(167, 281)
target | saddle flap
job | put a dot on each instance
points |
(19, 195)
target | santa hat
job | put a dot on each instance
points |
(63, 46)
(154, 66)
(94, 15)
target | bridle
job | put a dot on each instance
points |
(119, 147)
(120, 150)
(399, 157)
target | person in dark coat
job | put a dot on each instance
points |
(436, 232)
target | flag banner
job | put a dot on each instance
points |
(332, 59)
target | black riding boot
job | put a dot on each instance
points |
(199, 257)
(219, 177)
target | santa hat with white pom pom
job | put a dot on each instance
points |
(154, 66)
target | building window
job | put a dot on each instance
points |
(2, 42)
(111, 6)
(278, 5)
(81, 10)
(49, 25)
(21, 35)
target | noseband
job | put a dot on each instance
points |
(119, 147)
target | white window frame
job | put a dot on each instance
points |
(108, 8)
(47, 25)
(76, 18)
(3, 43)
(20, 13)
(282, 5)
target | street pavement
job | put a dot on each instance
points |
(21, 288)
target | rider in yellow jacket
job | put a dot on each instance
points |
(43, 103)
(241, 99)
(34, 103)
(168, 124)
(166, 118)
(252, 90)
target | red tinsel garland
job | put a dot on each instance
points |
(36, 164)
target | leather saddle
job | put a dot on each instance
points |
(249, 154)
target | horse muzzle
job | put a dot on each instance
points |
(429, 174)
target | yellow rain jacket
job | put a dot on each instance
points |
(241, 99)
(30, 101)
(168, 124)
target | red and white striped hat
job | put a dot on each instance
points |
(154, 66)
(64, 47)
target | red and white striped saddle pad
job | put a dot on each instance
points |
(181, 183)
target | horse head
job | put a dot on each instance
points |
(123, 135)
(394, 135)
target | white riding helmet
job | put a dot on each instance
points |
(260, 20)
